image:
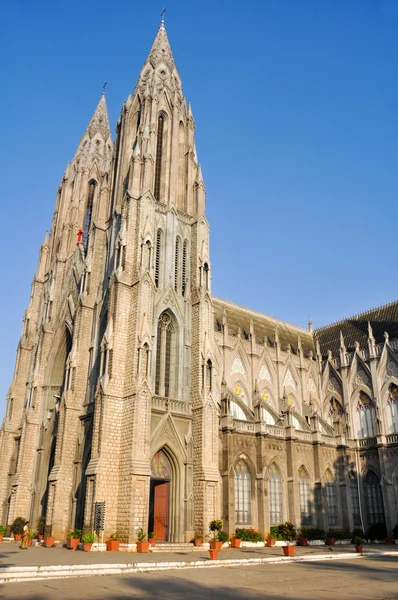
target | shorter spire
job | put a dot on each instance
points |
(100, 121)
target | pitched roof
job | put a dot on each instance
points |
(263, 325)
(355, 329)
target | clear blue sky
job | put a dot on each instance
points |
(295, 103)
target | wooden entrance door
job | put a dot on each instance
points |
(161, 511)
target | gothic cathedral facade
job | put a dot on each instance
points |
(136, 387)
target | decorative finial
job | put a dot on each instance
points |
(310, 324)
(162, 16)
(103, 88)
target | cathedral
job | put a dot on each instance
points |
(136, 387)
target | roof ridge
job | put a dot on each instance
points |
(356, 316)
(257, 312)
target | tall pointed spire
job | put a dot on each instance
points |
(100, 120)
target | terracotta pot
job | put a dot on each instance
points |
(213, 554)
(302, 541)
(288, 550)
(17, 537)
(29, 543)
(359, 549)
(236, 543)
(87, 546)
(197, 541)
(388, 540)
(72, 543)
(270, 542)
(152, 542)
(49, 542)
(112, 545)
(142, 547)
(331, 541)
(215, 545)
(1, 538)
(41, 538)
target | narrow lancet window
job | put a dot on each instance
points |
(88, 215)
(158, 165)
(157, 258)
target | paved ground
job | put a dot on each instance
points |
(12, 555)
(362, 579)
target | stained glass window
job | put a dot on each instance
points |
(304, 496)
(242, 494)
(275, 495)
(160, 466)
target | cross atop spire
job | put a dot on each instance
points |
(162, 16)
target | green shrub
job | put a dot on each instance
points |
(286, 532)
(222, 536)
(18, 525)
(75, 534)
(312, 533)
(141, 535)
(32, 534)
(88, 538)
(273, 533)
(358, 540)
(338, 534)
(215, 525)
(378, 531)
(3, 529)
(237, 534)
(249, 535)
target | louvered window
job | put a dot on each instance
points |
(159, 151)
(176, 264)
(184, 267)
(157, 259)
(88, 215)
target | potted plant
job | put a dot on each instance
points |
(331, 537)
(3, 531)
(112, 543)
(215, 526)
(287, 533)
(377, 531)
(41, 523)
(88, 541)
(73, 539)
(17, 528)
(358, 544)
(302, 538)
(32, 535)
(236, 540)
(49, 541)
(142, 543)
(198, 539)
(271, 538)
(152, 539)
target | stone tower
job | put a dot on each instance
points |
(116, 351)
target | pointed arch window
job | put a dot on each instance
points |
(365, 416)
(331, 499)
(184, 267)
(275, 495)
(159, 157)
(159, 236)
(88, 215)
(166, 352)
(354, 493)
(206, 275)
(209, 373)
(392, 409)
(177, 264)
(373, 499)
(304, 496)
(242, 494)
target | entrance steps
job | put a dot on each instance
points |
(177, 547)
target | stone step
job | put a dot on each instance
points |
(177, 547)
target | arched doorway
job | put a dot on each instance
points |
(159, 498)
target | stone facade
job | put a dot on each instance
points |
(135, 386)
